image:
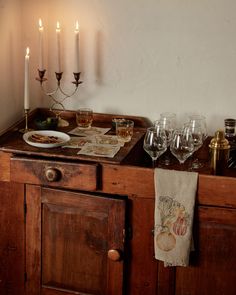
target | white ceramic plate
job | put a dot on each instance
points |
(60, 138)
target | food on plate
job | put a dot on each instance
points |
(44, 138)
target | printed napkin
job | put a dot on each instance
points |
(175, 193)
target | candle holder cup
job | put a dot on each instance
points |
(26, 129)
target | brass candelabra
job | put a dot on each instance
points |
(57, 102)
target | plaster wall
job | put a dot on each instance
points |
(10, 61)
(139, 57)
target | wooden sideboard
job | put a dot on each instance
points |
(89, 229)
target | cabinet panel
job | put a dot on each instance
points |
(142, 266)
(11, 238)
(212, 264)
(213, 268)
(77, 231)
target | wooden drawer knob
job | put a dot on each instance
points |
(114, 255)
(52, 174)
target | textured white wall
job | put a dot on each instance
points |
(10, 62)
(140, 57)
(145, 57)
(18, 29)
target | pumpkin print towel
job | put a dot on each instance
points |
(175, 193)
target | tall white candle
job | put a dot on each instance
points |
(41, 66)
(26, 90)
(58, 32)
(77, 47)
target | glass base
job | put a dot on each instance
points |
(25, 130)
(195, 165)
(166, 161)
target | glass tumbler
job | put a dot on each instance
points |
(84, 117)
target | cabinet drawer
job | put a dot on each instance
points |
(54, 173)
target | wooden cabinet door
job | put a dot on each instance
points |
(68, 238)
(11, 238)
(212, 267)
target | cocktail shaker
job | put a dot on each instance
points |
(219, 153)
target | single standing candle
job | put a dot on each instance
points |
(41, 67)
(58, 32)
(26, 92)
(76, 47)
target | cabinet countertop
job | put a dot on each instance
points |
(130, 165)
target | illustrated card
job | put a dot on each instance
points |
(78, 142)
(93, 131)
(99, 150)
(109, 140)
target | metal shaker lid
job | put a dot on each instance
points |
(219, 141)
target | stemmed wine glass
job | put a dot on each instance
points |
(182, 145)
(155, 143)
(199, 120)
(168, 122)
(166, 126)
(198, 135)
(169, 117)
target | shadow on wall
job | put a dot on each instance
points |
(99, 58)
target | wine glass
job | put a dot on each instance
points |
(155, 143)
(167, 127)
(182, 144)
(169, 117)
(199, 120)
(197, 134)
(168, 122)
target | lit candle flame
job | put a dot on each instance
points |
(27, 52)
(77, 26)
(58, 29)
(40, 24)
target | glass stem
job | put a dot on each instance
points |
(181, 166)
(153, 163)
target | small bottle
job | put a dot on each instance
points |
(219, 153)
(230, 125)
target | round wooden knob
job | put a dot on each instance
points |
(52, 174)
(114, 255)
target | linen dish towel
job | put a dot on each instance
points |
(175, 193)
